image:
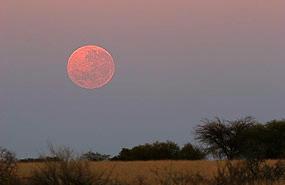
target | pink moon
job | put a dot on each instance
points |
(90, 67)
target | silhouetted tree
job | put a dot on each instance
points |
(224, 138)
(190, 152)
(276, 139)
(124, 155)
(165, 150)
(143, 152)
(265, 141)
(254, 147)
(160, 151)
(91, 156)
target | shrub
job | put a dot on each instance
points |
(190, 152)
(250, 172)
(160, 151)
(8, 167)
(276, 139)
(265, 141)
(69, 170)
(91, 156)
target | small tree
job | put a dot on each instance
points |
(124, 155)
(190, 152)
(224, 138)
(91, 156)
(156, 151)
(255, 146)
(265, 141)
(165, 150)
(142, 152)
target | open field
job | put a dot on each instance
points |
(130, 171)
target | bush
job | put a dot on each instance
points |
(91, 156)
(276, 139)
(165, 150)
(156, 151)
(124, 155)
(8, 167)
(250, 172)
(265, 141)
(189, 152)
(160, 151)
(69, 170)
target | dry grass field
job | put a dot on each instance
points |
(130, 171)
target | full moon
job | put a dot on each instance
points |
(90, 67)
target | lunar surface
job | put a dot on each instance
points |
(90, 67)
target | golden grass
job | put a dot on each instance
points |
(129, 171)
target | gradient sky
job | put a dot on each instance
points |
(177, 62)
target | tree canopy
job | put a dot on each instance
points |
(161, 151)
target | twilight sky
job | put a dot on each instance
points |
(176, 63)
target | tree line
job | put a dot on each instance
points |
(161, 151)
(64, 167)
(243, 138)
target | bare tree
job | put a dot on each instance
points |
(224, 138)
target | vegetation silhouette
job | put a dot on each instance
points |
(245, 140)
(224, 138)
(160, 151)
(242, 139)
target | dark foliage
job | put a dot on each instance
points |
(40, 159)
(255, 146)
(190, 152)
(265, 141)
(165, 150)
(124, 155)
(160, 151)
(276, 139)
(91, 156)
